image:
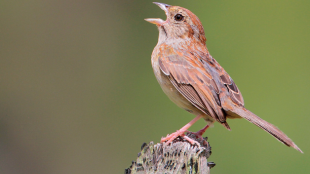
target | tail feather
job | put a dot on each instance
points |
(270, 128)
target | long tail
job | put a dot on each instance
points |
(270, 128)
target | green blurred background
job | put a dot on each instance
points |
(78, 94)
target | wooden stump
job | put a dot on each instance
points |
(178, 157)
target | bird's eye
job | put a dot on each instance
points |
(178, 17)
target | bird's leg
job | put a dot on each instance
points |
(200, 132)
(171, 137)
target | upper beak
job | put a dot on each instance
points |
(163, 6)
(158, 21)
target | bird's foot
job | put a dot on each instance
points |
(171, 137)
(181, 133)
(199, 133)
(178, 133)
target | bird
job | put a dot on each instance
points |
(194, 80)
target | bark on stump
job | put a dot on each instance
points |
(178, 157)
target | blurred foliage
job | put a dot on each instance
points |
(78, 94)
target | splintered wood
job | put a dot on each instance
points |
(178, 157)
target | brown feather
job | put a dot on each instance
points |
(197, 87)
(268, 127)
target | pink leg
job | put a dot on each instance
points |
(191, 140)
(180, 132)
(200, 133)
(197, 134)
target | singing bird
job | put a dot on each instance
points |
(194, 80)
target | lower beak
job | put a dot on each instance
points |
(156, 21)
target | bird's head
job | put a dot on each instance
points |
(180, 24)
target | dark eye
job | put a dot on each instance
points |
(178, 17)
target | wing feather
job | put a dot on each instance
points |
(201, 80)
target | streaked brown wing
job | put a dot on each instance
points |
(222, 76)
(235, 94)
(195, 85)
(201, 80)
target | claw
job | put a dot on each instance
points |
(181, 133)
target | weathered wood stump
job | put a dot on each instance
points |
(178, 157)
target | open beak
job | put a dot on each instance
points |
(158, 21)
